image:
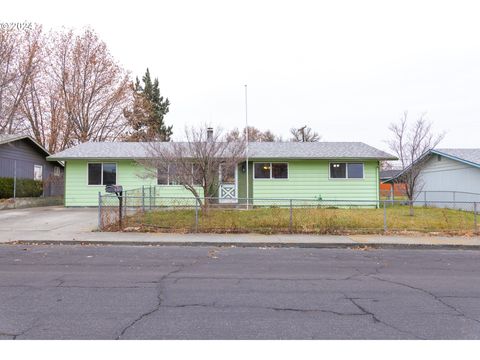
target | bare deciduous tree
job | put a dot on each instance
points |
(386, 165)
(18, 61)
(304, 134)
(196, 161)
(254, 135)
(410, 142)
(92, 88)
(61, 88)
(41, 106)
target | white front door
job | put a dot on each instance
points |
(228, 185)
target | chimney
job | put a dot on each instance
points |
(210, 134)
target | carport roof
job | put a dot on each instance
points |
(257, 150)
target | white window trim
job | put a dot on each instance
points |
(35, 166)
(101, 173)
(271, 169)
(346, 170)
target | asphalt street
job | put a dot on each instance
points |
(155, 292)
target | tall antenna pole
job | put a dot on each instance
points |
(246, 145)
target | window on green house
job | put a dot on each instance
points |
(271, 171)
(262, 171)
(197, 178)
(355, 170)
(94, 174)
(340, 170)
(167, 175)
(162, 176)
(102, 174)
(279, 170)
(109, 173)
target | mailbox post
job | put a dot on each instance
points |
(117, 190)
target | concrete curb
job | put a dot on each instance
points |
(356, 245)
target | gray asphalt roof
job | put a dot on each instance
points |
(388, 174)
(258, 150)
(466, 155)
(6, 138)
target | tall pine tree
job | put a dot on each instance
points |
(149, 109)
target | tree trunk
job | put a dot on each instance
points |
(411, 207)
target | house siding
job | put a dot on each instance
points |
(23, 155)
(440, 179)
(130, 175)
(309, 179)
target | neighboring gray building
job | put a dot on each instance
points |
(450, 177)
(22, 157)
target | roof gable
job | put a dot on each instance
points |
(9, 138)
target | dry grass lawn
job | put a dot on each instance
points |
(304, 220)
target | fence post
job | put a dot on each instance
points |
(454, 200)
(425, 198)
(125, 203)
(100, 211)
(154, 196)
(150, 199)
(143, 198)
(290, 226)
(475, 217)
(120, 210)
(196, 215)
(384, 217)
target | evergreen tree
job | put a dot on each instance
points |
(149, 109)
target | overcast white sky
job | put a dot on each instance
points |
(345, 68)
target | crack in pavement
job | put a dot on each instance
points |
(377, 320)
(23, 332)
(13, 336)
(240, 279)
(274, 308)
(435, 297)
(363, 312)
(159, 293)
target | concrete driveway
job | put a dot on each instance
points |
(46, 223)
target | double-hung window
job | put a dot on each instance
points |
(102, 174)
(344, 170)
(270, 170)
(168, 175)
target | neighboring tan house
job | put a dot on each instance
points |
(22, 157)
(448, 177)
(277, 170)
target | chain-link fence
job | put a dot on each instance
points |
(186, 214)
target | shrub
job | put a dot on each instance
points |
(24, 188)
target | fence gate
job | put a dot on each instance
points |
(228, 185)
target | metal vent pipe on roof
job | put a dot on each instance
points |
(210, 134)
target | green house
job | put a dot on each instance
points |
(276, 170)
